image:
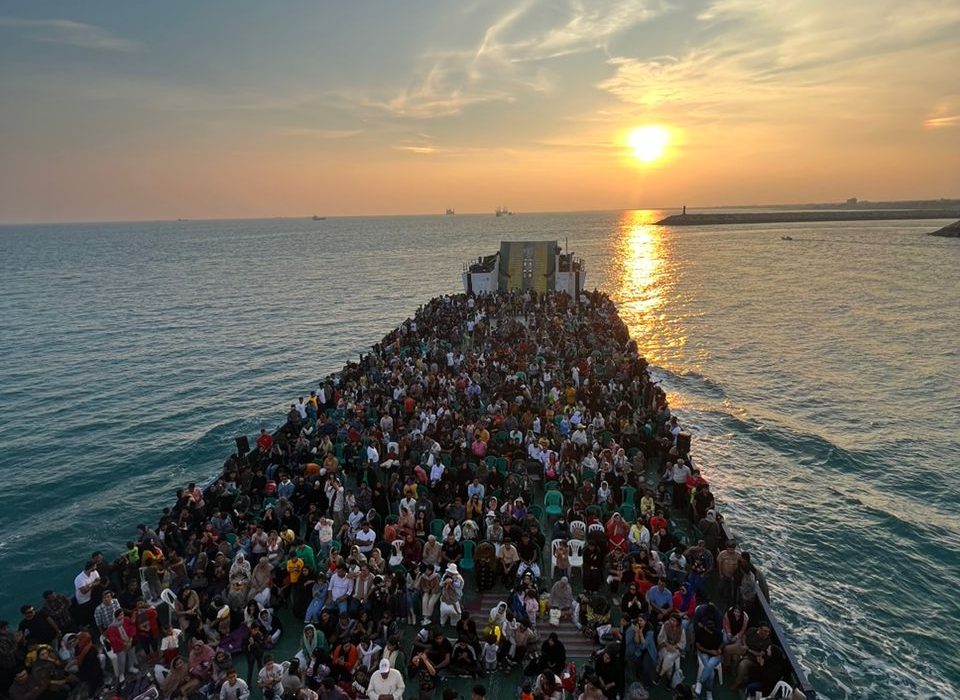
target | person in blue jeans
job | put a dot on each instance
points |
(710, 652)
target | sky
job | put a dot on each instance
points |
(242, 108)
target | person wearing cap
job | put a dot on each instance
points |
(451, 592)
(386, 684)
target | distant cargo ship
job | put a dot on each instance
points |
(503, 211)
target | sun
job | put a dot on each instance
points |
(648, 143)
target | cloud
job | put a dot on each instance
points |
(797, 58)
(70, 33)
(941, 122)
(420, 150)
(508, 59)
(321, 134)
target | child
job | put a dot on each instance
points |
(562, 566)
(526, 692)
(489, 653)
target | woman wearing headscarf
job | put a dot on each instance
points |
(200, 663)
(711, 530)
(311, 640)
(485, 565)
(240, 570)
(260, 581)
(592, 566)
(498, 616)
(561, 596)
(432, 552)
(89, 670)
(553, 654)
(405, 522)
(177, 681)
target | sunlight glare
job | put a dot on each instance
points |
(648, 143)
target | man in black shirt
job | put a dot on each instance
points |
(452, 551)
(710, 652)
(440, 651)
(528, 556)
(38, 627)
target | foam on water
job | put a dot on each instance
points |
(819, 376)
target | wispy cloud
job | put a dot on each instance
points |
(941, 122)
(817, 55)
(320, 134)
(419, 150)
(70, 33)
(509, 58)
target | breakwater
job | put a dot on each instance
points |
(782, 217)
(948, 231)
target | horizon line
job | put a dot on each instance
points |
(276, 217)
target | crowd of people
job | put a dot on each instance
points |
(397, 490)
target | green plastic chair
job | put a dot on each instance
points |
(466, 563)
(436, 528)
(552, 486)
(553, 502)
(629, 495)
(231, 538)
(595, 511)
(629, 512)
(536, 511)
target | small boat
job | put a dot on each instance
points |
(451, 212)
(319, 218)
(786, 238)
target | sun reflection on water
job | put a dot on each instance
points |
(646, 278)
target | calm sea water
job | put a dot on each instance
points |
(821, 378)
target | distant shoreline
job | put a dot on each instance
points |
(783, 217)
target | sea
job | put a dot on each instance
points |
(820, 377)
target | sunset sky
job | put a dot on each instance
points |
(128, 110)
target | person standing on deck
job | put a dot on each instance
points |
(728, 565)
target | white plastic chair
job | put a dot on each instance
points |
(576, 554)
(555, 548)
(578, 530)
(597, 527)
(718, 673)
(397, 557)
(781, 691)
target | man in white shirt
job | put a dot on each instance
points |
(341, 586)
(365, 538)
(234, 688)
(387, 684)
(83, 586)
(270, 678)
(84, 582)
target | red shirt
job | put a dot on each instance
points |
(265, 442)
(657, 523)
